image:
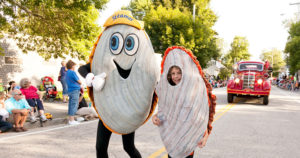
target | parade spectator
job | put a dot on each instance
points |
(219, 84)
(3, 111)
(284, 77)
(289, 85)
(19, 107)
(62, 79)
(292, 83)
(4, 126)
(296, 85)
(33, 99)
(73, 83)
(12, 86)
(295, 82)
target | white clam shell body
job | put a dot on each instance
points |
(183, 109)
(124, 104)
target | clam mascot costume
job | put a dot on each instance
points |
(124, 60)
(186, 109)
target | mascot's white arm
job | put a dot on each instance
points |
(95, 81)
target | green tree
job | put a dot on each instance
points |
(139, 8)
(275, 57)
(170, 22)
(239, 51)
(224, 73)
(52, 28)
(292, 48)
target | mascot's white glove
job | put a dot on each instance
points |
(89, 78)
(99, 81)
(96, 81)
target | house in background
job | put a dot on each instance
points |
(15, 65)
(214, 68)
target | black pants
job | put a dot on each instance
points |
(36, 102)
(190, 156)
(103, 136)
(5, 126)
(82, 103)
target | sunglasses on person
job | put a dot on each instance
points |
(19, 94)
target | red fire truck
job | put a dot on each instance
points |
(251, 79)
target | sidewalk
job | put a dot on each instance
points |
(288, 91)
(57, 109)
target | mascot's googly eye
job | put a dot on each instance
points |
(116, 43)
(131, 44)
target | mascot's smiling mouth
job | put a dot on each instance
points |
(123, 73)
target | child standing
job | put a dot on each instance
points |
(73, 83)
(174, 77)
(186, 103)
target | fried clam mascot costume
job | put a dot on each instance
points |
(185, 110)
(124, 72)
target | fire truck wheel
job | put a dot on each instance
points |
(230, 98)
(266, 100)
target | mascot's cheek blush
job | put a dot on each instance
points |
(183, 108)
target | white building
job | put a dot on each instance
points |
(214, 68)
(15, 65)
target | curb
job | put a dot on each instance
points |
(50, 122)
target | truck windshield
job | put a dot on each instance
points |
(251, 66)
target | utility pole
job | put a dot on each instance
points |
(272, 66)
(298, 13)
(272, 63)
(194, 12)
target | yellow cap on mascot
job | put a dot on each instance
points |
(123, 17)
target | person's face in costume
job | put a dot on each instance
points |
(176, 75)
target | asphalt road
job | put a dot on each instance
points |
(244, 129)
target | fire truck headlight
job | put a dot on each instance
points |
(237, 80)
(259, 81)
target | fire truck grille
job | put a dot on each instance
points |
(248, 81)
